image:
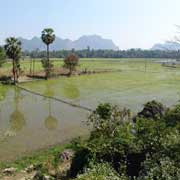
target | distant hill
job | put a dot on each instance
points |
(93, 41)
(167, 46)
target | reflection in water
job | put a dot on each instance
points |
(71, 91)
(51, 123)
(17, 119)
(27, 120)
(49, 91)
(3, 91)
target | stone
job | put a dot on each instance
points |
(66, 155)
(9, 171)
(40, 176)
(33, 167)
(30, 168)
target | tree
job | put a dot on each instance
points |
(2, 56)
(70, 62)
(152, 110)
(13, 51)
(48, 38)
(47, 66)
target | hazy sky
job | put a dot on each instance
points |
(129, 23)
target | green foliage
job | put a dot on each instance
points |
(13, 51)
(13, 48)
(161, 169)
(70, 62)
(48, 38)
(106, 118)
(145, 149)
(47, 66)
(172, 116)
(101, 172)
(104, 111)
(2, 56)
(152, 110)
(42, 157)
(148, 134)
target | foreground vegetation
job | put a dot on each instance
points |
(122, 147)
(145, 147)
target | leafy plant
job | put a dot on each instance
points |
(70, 62)
(2, 56)
(48, 66)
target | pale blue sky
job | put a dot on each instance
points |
(129, 23)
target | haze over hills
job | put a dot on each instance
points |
(93, 41)
(173, 46)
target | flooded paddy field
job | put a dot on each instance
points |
(29, 122)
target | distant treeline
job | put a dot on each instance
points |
(88, 53)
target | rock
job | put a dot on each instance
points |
(40, 176)
(9, 171)
(30, 168)
(33, 167)
(66, 155)
(47, 177)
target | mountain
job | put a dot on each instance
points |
(167, 46)
(93, 41)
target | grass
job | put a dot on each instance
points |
(39, 157)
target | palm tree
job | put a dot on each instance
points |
(13, 51)
(48, 38)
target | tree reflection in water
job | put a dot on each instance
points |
(17, 120)
(71, 91)
(51, 123)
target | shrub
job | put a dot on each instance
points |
(80, 161)
(172, 117)
(161, 169)
(70, 62)
(47, 65)
(144, 149)
(2, 56)
(152, 110)
(101, 172)
(106, 118)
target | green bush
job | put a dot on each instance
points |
(172, 116)
(152, 110)
(47, 66)
(101, 172)
(143, 149)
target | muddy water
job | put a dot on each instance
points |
(29, 122)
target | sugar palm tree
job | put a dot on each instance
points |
(48, 38)
(13, 51)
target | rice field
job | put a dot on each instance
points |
(30, 122)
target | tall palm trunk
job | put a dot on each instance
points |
(47, 72)
(14, 72)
